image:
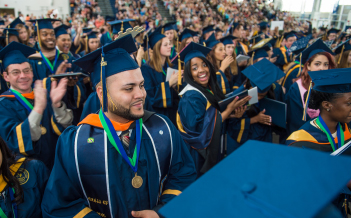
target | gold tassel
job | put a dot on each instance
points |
(252, 57)
(86, 45)
(162, 30)
(300, 65)
(279, 41)
(39, 41)
(179, 67)
(102, 97)
(306, 102)
(7, 37)
(342, 51)
(122, 27)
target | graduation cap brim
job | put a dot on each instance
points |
(13, 53)
(275, 184)
(191, 51)
(228, 39)
(316, 47)
(60, 30)
(45, 23)
(170, 26)
(87, 62)
(345, 46)
(207, 29)
(16, 21)
(332, 81)
(263, 73)
(333, 30)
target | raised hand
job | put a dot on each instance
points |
(40, 95)
(58, 91)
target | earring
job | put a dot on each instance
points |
(328, 109)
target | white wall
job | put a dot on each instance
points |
(36, 7)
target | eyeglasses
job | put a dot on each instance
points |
(18, 72)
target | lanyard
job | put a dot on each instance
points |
(14, 205)
(22, 100)
(116, 142)
(163, 71)
(340, 133)
(210, 91)
(172, 51)
(48, 63)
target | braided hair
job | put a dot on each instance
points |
(317, 97)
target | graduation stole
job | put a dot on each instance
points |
(163, 71)
(22, 100)
(116, 142)
(13, 168)
(340, 133)
(48, 63)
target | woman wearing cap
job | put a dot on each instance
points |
(186, 37)
(221, 62)
(161, 94)
(331, 95)
(22, 184)
(314, 58)
(199, 119)
(169, 30)
(233, 74)
(91, 43)
(23, 34)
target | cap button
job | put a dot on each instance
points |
(248, 188)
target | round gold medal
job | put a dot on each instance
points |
(43, 130)
(137, 181)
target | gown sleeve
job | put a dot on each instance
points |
(15, 131)
(63, 195)
(182, 171)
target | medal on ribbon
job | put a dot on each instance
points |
(112, 136)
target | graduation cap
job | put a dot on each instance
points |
(316, 47)
(211, 41)
(262, 43)
(299, 45)
(263, 25)
(207, 29)
(109, 18)
(263, 74)
(10, 31)
(154, 37)
(16, 21)
(343, 47)
(191, 51)
(120, 25)
(289, 34)
(273, 185)
(92, 35)
(169, 26)
(233, 26)
(323, 28)
(44, 23)
(15, 53)
(187, 33)
(87, 29)
(218, 30)
(333, 30)
(228, 40)
(61, 30)
(109, 60)
(332, 80)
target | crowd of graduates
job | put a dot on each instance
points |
(116, 116)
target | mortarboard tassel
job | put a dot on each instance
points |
(86, 44)
(342, 50)
(300, 65)
(162, 30)
(306, 102)
(279, 41)
(122, 27)
(179, 67)
(251, 59)
(39, 41)
(7, 37)
(103, 81)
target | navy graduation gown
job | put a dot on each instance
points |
(163, 99)
(294, 109)
(291, 74)
(91, 106)
(223, 82)
(202, 129)
(15, 130)
(32, 176)
(105, 38)
(64, 196)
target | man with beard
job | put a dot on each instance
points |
(29, 120)
(123, 161)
